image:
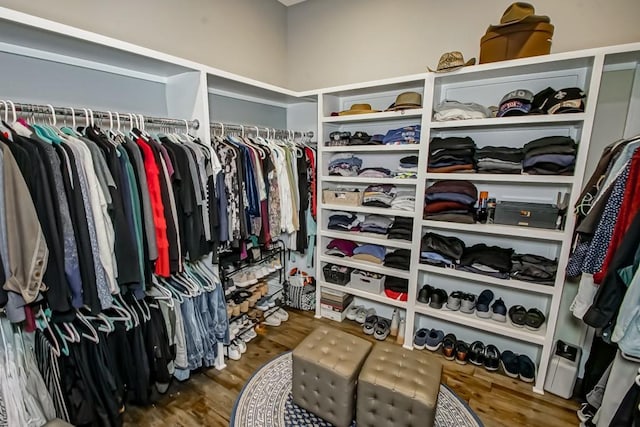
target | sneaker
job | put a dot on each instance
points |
(249, 335)
(482, 307)
(272, 321)
(468, 303)
(381, 330)
(586, 412)
(499, 311)
(534, 319)
(509, 363)
(241, 280)
(434, 340)
(491, 358)
(353, 311)
(242, 346)
(462, 352)
(262, 304)
(282, 314)
(476, 353)
(232, 352)
(527, 369)
(271, 303)
(363, 313)
(438, 298)
(369, 325)
(454, 301)
(517, 314)
(424, 296)
(420, 339)
(449, 346)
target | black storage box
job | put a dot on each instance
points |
(539, 215)
(337, 274)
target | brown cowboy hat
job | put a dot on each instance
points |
(519, 12)
(405, 101)
(451, 61)
(358, 109)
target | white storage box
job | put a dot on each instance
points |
(329, 312)
(563, 370)
(366, 281)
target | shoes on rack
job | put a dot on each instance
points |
(232, 352)
(526, 369)
(454, 301)
(424, 296)
(462, 352)
(244, 306)
(395, 320)
(262, 304)
(229, 310)
(482, 306)
(242, 346)
(282, 314)
(369, 324)
(491, 358)
(509, 363)
(476, 353)
(382, 330)
(401, 327)
(499, 311)
(272, 320)
(438, 298)
(468, 303)
(264, 289)
(249, 335)
(352, 311)
(518, 314)
(434, 340)
(534, 319)
(420, 339)
(586, 412)
(449, 346)
(364, 313)
(235, 309)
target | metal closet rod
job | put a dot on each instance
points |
(257, 129)
(86, 113)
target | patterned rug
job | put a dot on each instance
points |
(265, 401)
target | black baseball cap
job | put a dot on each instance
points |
(568, 100)
(516, 103)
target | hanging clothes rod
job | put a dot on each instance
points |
(257, 130)
(90, 115)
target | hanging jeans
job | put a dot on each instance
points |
(218, 310)
(193, 334)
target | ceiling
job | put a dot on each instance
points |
(290, 2)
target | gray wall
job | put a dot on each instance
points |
(333, 42)
(236, 111)
(247, 37)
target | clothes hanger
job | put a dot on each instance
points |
(93, 336)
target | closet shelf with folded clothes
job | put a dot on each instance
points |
(371, 238)
(364, 265)
(368, 180)
(499, 230)
(382, 298)
(507, 178)
(510, 122)
(370, 117)
(372, 148)
(368, 209)
(506, 329)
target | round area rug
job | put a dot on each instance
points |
(265, 401)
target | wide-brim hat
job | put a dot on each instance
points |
(519, 12)
(451, 61)
(358, 109)
(405, 101)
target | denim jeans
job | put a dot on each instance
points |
(218, 310)
(204, 321)
(193, 334)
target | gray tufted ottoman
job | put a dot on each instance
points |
(325, 369)
(398, 387)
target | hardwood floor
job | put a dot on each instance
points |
(207, 398)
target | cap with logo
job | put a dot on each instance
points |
(568, 100)
(516, 103)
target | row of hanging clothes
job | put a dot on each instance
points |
(269, 182)
(606, 256)
(106, 240)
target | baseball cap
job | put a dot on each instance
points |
(516, 103)
(341, 247)
(568, 100)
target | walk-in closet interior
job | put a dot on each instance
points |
(278, 212)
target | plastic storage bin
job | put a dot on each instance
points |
(336, 274)
(366, 281)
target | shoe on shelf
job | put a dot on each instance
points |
(438, 298)
(352, 311)
(395, 318)
(476, 353)
(271, 302)
(462, 352)
(482, 306)
(509, 363)
(262, 304)
(249, 335)
(449, 346)
(534, 319)
(420, 339)
(364, 313)
(242, 346)
(381, 330)
(229, 310)
(468, 303)
(499, 311)
(491, 358)
(369, 324)
(424, 295)
(232, 352)
(517, 314)
(434, 340)
(454, 301)
(586, 412)
(276, 264)
(401, 327)
(527, 369)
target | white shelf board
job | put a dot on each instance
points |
(368, 180)
(371, 148)
(363, 265)
(500, 230)
(505, 283)
(510, 121)
(506, 329)
(382, 298)
(367, 210)
(375, 117)
(508, 178)
(367, 238)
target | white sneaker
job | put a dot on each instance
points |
(363, 313)
(272, 321)
(242, 346)
(271, 302)
(249, 335)
(282, 314)
(262, 304)
(233, 352)
(353, 311)
(241, 280)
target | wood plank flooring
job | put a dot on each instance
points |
(207, 398)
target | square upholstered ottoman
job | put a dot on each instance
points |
(326, 365)
(397, 387)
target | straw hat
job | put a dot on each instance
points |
(358, 109)
(405, 101)
(451, 61)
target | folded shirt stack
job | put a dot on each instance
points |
(402, 229)
(444, 251)
(402, 136)
(452, 154)
(380, 196)
(405, 200)
(534, 268)
(377, 224)
(344, 164)
(400, 259)
(341, 248)
(551, 155)
(396, 288)
(408, 167)
(370, 253)
(345, 221)
(375, 173)
(451, 201)
(488, 260)
(499, 160)
(455, 110)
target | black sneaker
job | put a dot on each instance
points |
(424, 296)
(586, 412)
(499, 311)
(438, 298)
(509, 362)
(527, 369)
(462, 352)
(476, 353)
(491, 358)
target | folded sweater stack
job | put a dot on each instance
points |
(451, 201)
(452, 154)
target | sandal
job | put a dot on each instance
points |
(534, 319)
(382, 330)
(369, 325)
(517, 314)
